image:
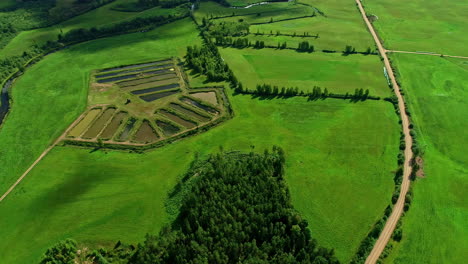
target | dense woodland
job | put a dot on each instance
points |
(236, 210)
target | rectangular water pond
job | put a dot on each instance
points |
(155, 89)
(156, 96)
(127, 129)
(145, 133)
(147, 79)
(200, 106)
(136, 65)
(177, 119)
(135, 70)
(84, 123)
(113, 126)
(99, 124)
(189, 112)
(168, 129)
(131, 76)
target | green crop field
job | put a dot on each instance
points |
(340, 24)
(61, 95)
(98, 197)
(101, 16)
(433, 26)
(340, 74)
(435, 89)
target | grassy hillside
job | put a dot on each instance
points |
(435, 88)
(336, 23)
(57, 88)
(100, 197)
(435, 26)
(101, 16)
(340, 74)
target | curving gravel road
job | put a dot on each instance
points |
(398, 207)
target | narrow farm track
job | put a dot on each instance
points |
(43, 154)
(425, 53)
(398, 207)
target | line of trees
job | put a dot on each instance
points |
(316, 93)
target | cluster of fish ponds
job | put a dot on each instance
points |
(149, 81)
(112, 125)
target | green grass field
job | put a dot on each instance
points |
(101, 16)
(340, 26)
(60, 96)
(340, 74)
(99, 198)
(434, 26)
(435, 89)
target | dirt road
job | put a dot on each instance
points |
(398, 207)
(425, 53)
(43, 154)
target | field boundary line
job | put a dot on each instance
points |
(43, 154)
(426, 53)
(397, 211)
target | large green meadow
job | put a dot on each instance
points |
(102, 16)
(101, 197)
(434, 26)
(56, 87)
(338, 73)
(341, 156)
(340, 24)
(435, 89)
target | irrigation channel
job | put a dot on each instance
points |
(397, 211)
(5, 100)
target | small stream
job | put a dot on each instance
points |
(5, 100)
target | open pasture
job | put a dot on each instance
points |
(261, 13)
(337, 23)
(60, 84)
(102, 16)
(324, 142)
(436, 89)
(431, 26)
(337, 73)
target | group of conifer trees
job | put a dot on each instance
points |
(236, 210)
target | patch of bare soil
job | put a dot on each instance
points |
(420, 172)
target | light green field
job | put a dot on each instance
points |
(332, 146)
(340, 74)
(57, 87)
(101, 16)
(435, 26)
(99, 198)
(436, 89)
(342, 24)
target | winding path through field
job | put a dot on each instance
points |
(43, 154)
(398, 207)
(426, 53)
